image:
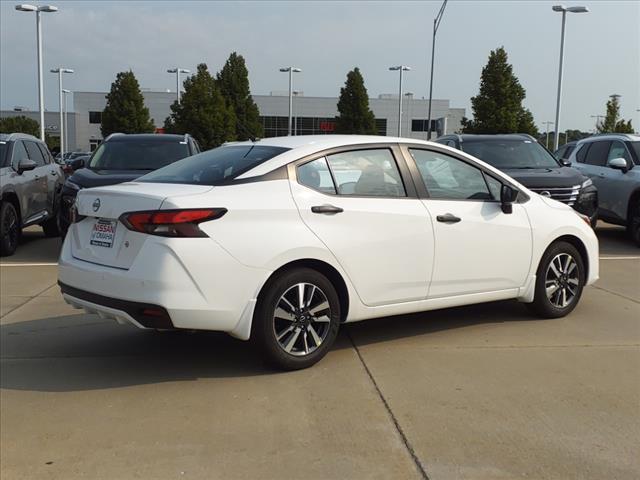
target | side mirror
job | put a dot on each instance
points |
(77, 164)
(565, 162)
(618, 164)
(25, 165)
(507, 197)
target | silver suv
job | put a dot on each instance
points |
(612, 161)
(30, 183)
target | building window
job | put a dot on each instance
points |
(95, 117)
(381, 126)
(279, 126)
(420, 125)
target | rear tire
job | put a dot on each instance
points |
(296, 319)
(634, 223)
(9, 229)
(559, 281)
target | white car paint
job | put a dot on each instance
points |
(391, 254)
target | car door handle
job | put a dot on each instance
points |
(326, 209)
(448, 218)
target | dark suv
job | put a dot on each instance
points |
(521, 157)
(122, 158)
(30, 184)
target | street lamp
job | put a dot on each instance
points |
(66, 119)
(178, 71)
(547, 125)
(60, 71)
(409, 96)
(564, 10)
(400, 68)
(295, 119)
(291, 71)
(38, 9)
(436, 24)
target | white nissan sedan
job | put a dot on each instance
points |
(283, 239)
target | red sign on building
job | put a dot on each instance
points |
(327, 126)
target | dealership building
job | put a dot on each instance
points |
(311, 115)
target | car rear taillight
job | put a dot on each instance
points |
(171, 223)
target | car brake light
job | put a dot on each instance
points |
(171, 223)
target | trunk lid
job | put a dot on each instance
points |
(100, 237)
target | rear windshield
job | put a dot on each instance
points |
(214, 167)
(4, 148)
(137, 155)
(511, 154)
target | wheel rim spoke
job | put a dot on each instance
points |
(562, 280)
(300, 330)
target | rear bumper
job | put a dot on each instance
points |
(194, 281)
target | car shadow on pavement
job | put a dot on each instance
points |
(614, 240)
(84, 352)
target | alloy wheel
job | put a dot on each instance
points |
(10, 227)
(562, 280)
(302, 319)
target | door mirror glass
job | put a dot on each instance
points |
(618, 164)
(77, 164)
(565, 162)
(26, 164)
(507, 197)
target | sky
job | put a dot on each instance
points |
(326, 40)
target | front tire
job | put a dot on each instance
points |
(9, 229)
(296, 319)
(634, 223)
(559, 281)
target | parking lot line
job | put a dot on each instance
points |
(44, 264)
(637, 257)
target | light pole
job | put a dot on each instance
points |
(598, 117)
(60, 71)
(547, 125)
(178, 71)
(400, 68)
(564, 10)
(291, 71)
(295, 119)
(409, 96)
(436, 24)
(38, 9)
(66, 120)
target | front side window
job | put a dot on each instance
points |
(4, 155)
(448, 178)
(214, 167)
(35, 153)
(19, 154)
(366, 173)
(618, 150)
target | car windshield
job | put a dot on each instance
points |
(137, 155)
(214, 167)
(3, 153)
(510, 154)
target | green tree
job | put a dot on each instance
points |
(612, 122)
(125, 111)
(498, 106)
(202, 112)
(233, 81)
(355, 115)
(20, 124)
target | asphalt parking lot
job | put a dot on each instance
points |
(474, 392)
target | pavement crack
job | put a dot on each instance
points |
(616, 294)
(403, 437)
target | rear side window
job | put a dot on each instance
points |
(45, 153)
(597, 154)
(214, 167)
(35, 153)
(316, 175)
(448, 178)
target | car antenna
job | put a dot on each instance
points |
(251, 136)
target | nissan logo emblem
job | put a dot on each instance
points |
(96, 205)
(544, 193)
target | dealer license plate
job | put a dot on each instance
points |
(103, 233)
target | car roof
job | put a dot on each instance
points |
(612, 136)
(499, 136)
(135, 137)
(303, 145)
(7, 137)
